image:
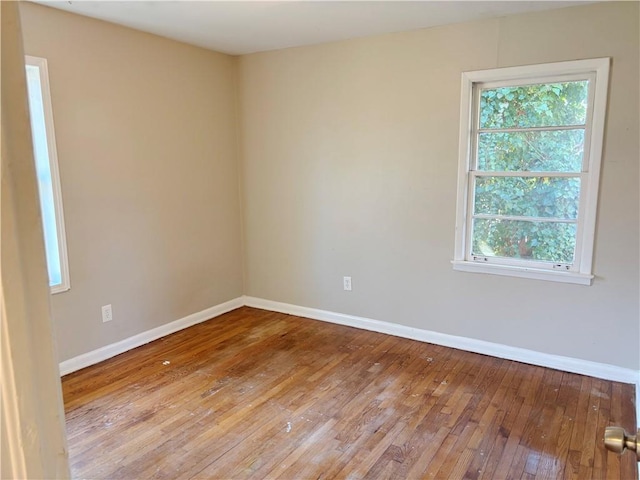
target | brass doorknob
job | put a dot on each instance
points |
(617, 440)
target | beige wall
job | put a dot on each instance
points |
(32, 415)
(347, 158)
(349, 168)
(147, 141)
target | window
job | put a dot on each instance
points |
(530, 148)
(44, 149)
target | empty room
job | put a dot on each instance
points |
(320, 239)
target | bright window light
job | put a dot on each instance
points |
(530, 153)
(46, 161)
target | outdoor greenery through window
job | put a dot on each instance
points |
(529, 166)
(538, 132)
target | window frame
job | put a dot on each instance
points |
(41, 64)
(580, 272)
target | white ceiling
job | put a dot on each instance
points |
(240, 27)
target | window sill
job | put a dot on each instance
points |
(59, 289)
(523, 272)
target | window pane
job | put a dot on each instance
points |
(43, 172)
(543, 105)
(533, 151)
(556, 197)
(543, 241)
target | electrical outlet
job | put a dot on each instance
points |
(107, 314)
(346, 281)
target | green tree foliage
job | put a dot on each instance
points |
(542, 105)
(550, 150)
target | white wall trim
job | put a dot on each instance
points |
(108, 351)
(558, 362)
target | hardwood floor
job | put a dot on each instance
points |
(257, 394)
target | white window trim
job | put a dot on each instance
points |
(587, 223)
(41, 63)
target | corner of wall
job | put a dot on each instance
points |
(240, 166)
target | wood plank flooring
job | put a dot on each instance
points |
(257, 394)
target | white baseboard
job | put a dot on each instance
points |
(558, 362)
(103, 353)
